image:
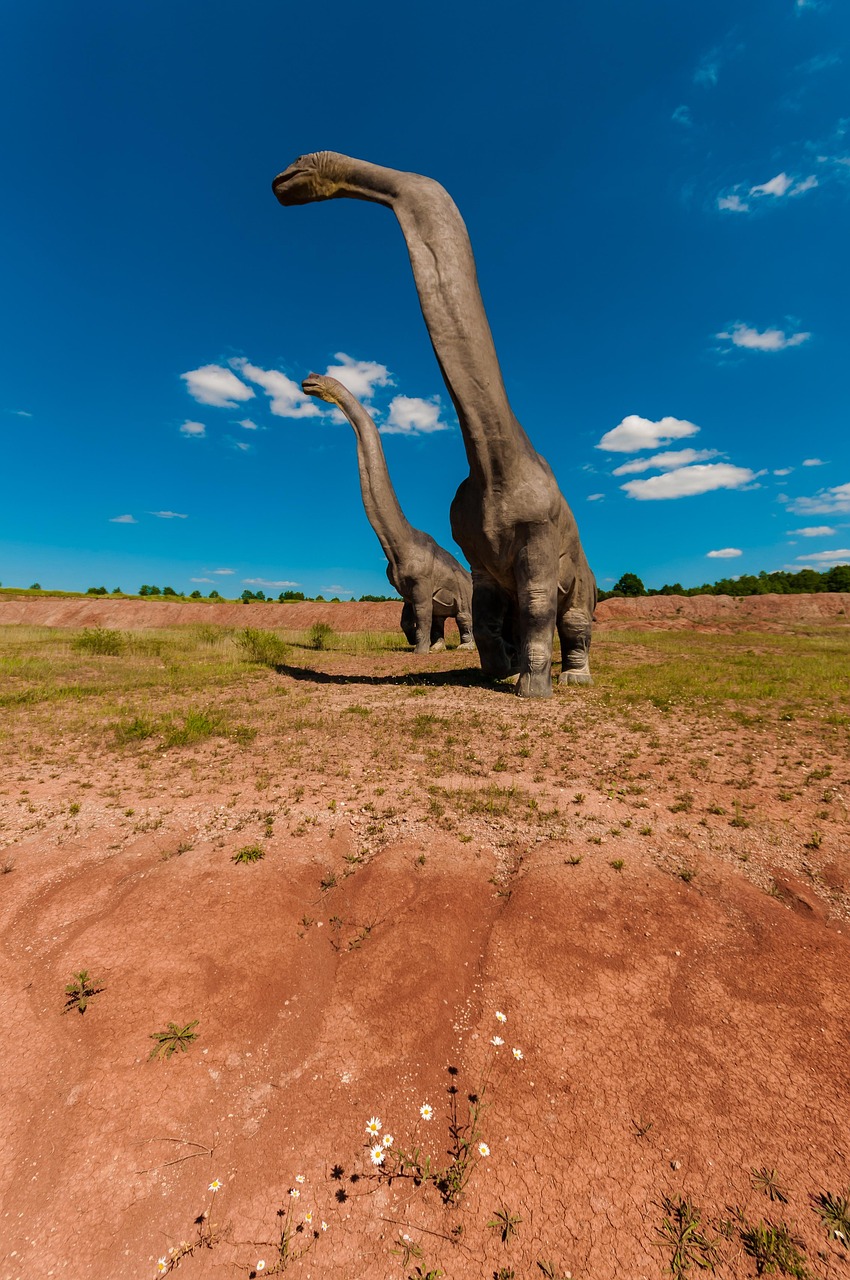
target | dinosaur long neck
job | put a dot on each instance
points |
(447, 284)
(379, 499)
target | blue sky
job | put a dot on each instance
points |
(657, 195)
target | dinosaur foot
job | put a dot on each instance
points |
(438, 646)
(534, 684)
(467, 644)
(575, 677)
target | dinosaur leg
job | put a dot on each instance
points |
(537, 607)
(464, 626)
(574, 633)
(490, 609)
(408, 623)
(423, 608)
(438, 634)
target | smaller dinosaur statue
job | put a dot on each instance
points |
(432, 584)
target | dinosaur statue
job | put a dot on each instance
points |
(433, 585)
(529, 571)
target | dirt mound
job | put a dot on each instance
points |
(766, 613)
(139, 615)
(728, 613)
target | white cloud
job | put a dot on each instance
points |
(266, 582)
(742, 335)
(783, 471)
(682, 115)
(725, 553)
(410, 415)
(817, 531)
(807, 184)
(194, 430)
(685, 482)
(665, 461)
(734, 203)
(215, 385)
(21, 413)
(826, 502)
(775, 187)
(813, 462)
(359, 376)
(221, 570)
(241, 445)
(248, 424)
(123, 520)
(338, 590)
(168, 515)
(634, 434)
(595, 497)
(708, 69)
(287, 398)
(828, 557)
(210, 580)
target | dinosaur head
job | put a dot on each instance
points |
(315, 384)
(312, 177)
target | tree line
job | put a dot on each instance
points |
(780, 583)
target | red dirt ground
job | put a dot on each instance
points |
(676, 1033)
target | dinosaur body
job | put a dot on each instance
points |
(529, 571)
(430, 581)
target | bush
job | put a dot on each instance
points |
(101, 640)
(322, 635)
(263, 647)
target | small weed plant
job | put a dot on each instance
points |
(505, 1224)
(321, 636)
(173, 1038)
(247, 854)
(263, 647)
(775, 1250)
(834, 1213)
(466, 1147)
(207, 1235)
(682, 1233)
(101, 640)
(298, 1232)
(80, 990)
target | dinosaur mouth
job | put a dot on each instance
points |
(279, 182)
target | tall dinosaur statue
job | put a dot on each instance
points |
(432, 584)
(529, 571)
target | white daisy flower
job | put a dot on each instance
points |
(376, 1155)
(294, 1192)
(299, 1177)
(497, 1040)
(324, 1226)
(261, 1266)
(501, 1017)
(426, 1111)
(161, 1266)
(374, 1125)
(387, 1140)
(214, 1185)
(517, 1054)
(483, 1149)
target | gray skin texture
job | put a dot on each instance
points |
(529, 572)
(433, 585)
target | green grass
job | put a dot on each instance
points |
(667, 668)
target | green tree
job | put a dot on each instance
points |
(169, 591)
(629, 585)
(215, 595)
(196, 595)
(838, 578)
(36, 586)
(289, 596)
